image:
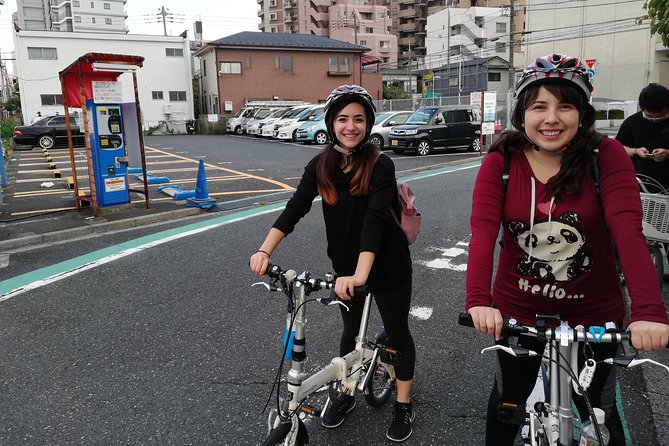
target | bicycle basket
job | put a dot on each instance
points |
(655, 216)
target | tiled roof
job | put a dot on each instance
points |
(284, 40)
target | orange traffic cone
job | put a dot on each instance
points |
(201, 198)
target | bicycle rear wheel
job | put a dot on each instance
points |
(380, 384)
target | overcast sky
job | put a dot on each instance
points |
(220, 18)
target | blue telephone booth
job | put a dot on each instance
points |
(108, 152)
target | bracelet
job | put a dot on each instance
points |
(264, 252)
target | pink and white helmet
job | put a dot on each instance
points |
(556, 68)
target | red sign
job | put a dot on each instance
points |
(590, 62)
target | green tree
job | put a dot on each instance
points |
(658, 14)
(13, 104)
(394, 90)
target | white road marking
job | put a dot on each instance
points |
(447, 259)
(423, 313)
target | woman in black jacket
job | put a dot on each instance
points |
(359, 191)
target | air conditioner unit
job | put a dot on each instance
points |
(168, 109)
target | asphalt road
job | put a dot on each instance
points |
(160, 338)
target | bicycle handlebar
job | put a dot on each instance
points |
(313, 284)
(512, 327)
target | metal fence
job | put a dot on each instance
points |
(417, 102)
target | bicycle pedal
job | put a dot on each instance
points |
(310, 410)
(510, 413)
(390, 356)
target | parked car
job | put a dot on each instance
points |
(383, 123)
(258, 114)
(235, 124)
(289, 128)
(287, 118)
(49, 132)
(313, 131)
(266, 126)
(432, 128)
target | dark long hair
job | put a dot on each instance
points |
(578, 158)
(362, 164)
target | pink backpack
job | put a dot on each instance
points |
(410, 217)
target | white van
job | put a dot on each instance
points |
(235, 124)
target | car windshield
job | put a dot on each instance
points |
(294, 113)
(239, 113)
(421, 116)
(277, 113)
(319, 117)
(41, 121)
(263, 113)
(380, 117)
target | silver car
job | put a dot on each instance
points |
(383, 123)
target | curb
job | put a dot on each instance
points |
(97, 228)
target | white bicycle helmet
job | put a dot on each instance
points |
(556, 68)
(348, 94)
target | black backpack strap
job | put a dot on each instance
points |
(595, 167)
(507, 169)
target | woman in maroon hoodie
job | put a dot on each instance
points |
(559, 219)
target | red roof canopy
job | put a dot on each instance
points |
(81, 71)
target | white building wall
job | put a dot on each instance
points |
(471, 28)
(209, 83)
(159, 73)
(628, 58)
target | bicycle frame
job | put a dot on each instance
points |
(559, 422)
(555, 422)
(301, 386)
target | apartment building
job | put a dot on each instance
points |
(474, 33)
(407, 22)
(363, 22)
(100, 16)
(623, 54)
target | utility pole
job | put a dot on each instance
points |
(410, 63)
(512, 71)
(448, 49)
(164, 13)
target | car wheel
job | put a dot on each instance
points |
(239, 130)
(294, 137)
(398, 151)
(475, 146)
(321, 137)
(376, 139)
(46, 141)
(424, 147)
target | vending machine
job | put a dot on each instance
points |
(109, 154)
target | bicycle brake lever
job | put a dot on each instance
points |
(517, 352)
(332, 301)
(633, 362)
(266, 285)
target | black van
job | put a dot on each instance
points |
(432, 128)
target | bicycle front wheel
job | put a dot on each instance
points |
(658, 261)
(380, 384)
(277, 436)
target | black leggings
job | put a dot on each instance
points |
(515, 379)
(394, 309)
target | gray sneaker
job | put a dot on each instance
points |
(336, 411)
(401, 427)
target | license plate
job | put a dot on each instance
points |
(393, 142)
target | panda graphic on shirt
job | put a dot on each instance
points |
(556, 252)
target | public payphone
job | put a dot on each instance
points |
(109, 155)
